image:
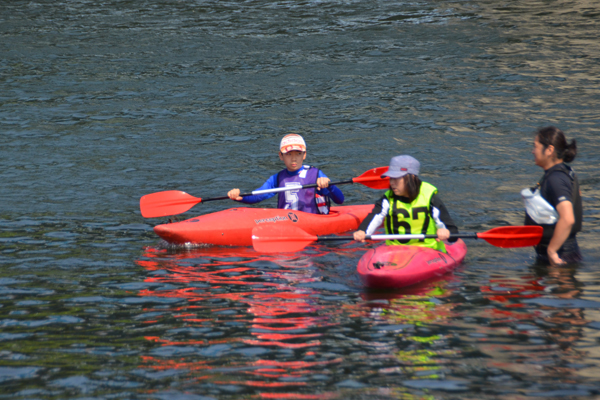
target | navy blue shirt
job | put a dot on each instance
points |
(556, 187)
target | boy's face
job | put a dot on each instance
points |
(293, 159)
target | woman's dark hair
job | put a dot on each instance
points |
(413, 186)
(551, 135)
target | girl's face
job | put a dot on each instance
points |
(542, 157)
(398, 186)
(293, 159)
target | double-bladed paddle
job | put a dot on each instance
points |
(285, 238)
(173, 202)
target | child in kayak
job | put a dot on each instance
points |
(292, 151)
(409, 206)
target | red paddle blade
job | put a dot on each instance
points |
(372, 178)
(170, 202)
(279, 238)
(513, 236)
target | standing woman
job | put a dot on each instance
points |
(560, 188)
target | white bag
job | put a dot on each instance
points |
(539, 209)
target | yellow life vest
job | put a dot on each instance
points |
(413, 218)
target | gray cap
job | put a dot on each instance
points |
(402, 165)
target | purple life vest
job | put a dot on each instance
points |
(301, 199)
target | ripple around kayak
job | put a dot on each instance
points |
(233, 227)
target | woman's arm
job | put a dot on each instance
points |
(562, 230)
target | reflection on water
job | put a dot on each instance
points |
(418, 316)
(534, 326)
(228, 322)
(267, 309)
(267, 318)
(241, 306)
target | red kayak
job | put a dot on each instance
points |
(388, 267)
(233, 227)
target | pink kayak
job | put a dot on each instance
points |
(399, 266)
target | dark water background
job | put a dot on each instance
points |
(103, 102)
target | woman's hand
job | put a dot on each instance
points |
(234, 194)
(443, 234)
(359, 236)
(554, 258)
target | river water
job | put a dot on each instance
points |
(103, 102)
